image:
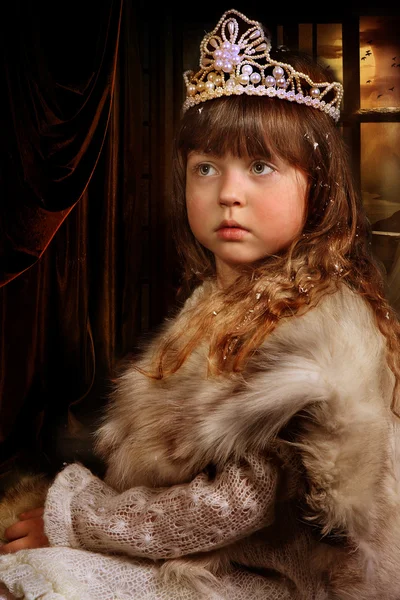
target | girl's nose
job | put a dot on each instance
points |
(231, 191)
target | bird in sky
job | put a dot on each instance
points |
(379, 95)
(391, 89)
(369, 81)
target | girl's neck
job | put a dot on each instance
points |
(226, 275)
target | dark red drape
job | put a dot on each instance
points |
(61, 190)
(58, 69)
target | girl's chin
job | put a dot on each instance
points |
(237, 263)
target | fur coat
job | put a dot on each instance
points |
(281, 482)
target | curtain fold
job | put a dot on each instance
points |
(68, 313)
(57, 83)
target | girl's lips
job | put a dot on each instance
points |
(231, 233)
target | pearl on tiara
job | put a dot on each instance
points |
(235, 59)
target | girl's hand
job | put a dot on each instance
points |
(26, 533)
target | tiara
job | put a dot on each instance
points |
(234, 59)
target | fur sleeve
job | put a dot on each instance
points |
(327, 369)
(344, 440)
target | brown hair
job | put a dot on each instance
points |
(333, 246)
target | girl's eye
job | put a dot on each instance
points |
(261, 168)
(204, 169)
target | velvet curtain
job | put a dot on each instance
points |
(70, 222)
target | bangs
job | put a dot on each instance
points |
(232, 126)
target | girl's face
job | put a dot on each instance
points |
(243, 209)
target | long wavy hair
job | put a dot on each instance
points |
(333, 247)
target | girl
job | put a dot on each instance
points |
(252, 450)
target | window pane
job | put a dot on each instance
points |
(379, 62)
(380, 170)
(380, 184)
(330, 48)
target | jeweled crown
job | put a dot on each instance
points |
(235, 59)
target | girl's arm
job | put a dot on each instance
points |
(331, 365)
(345, 455)
(83, 512)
